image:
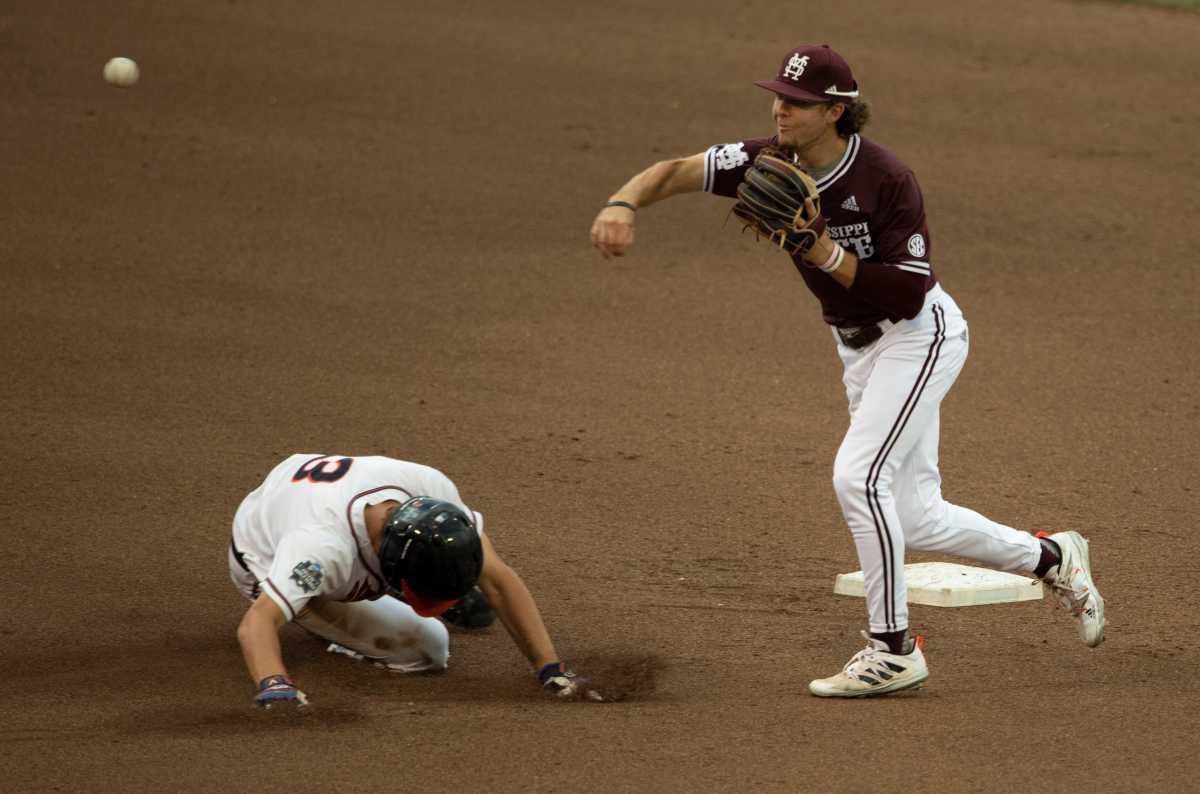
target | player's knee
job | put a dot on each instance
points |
(435, 643)
(925, 527)
(849, 480)
(423, 650)
(418, 647)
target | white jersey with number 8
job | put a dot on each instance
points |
(301, 534)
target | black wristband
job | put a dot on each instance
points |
(624, 204)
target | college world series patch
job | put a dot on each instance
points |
(307, 575)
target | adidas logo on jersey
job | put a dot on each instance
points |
(851, 204)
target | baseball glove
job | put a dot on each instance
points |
(780, 202)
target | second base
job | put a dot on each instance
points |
(946, 584)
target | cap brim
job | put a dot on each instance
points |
(425, 607)
(792, 92)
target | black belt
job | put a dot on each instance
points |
(858, 338)
(241, 560)
(237, 555)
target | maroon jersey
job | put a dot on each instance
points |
(874, 210)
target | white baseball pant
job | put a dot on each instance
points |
(886, 470)
(386, 630)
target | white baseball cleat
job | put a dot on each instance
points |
(1071, 583)
(875, 671)
(344, 651)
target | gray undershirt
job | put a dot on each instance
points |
(820, 173)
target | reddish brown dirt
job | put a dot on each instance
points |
(363, 229)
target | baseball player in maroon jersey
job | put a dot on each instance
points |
(902, 341)
(367, 553)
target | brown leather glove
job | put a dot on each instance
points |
(780, 202)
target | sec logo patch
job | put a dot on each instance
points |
(916, 245)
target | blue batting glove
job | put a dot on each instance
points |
(275, 690)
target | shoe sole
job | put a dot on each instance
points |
(868, 693)
(1099, 599)
(1087, 560)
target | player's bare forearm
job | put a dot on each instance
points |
(612, 231)
(845, 274)
(258, 634)
(518, 612)
(662, 180)
(515, 607)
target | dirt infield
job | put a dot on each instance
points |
(364, 230)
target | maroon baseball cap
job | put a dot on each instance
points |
(813, 73)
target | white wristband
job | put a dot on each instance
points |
(834, 261)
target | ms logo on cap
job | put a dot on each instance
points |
(813, 73)
(795, 67)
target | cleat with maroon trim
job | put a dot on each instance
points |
(876, 671)
(1071, 583)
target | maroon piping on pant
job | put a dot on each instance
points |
(882, 531)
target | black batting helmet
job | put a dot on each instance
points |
(431, 553)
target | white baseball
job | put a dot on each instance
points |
(122, 72)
